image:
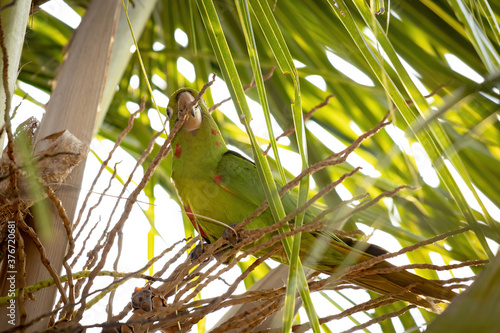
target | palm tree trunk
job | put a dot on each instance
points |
(13, 25)
(73, 106)
(13, 21)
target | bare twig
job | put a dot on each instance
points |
(71, 245)
(334, 159)
(110, 155)
(311, 201)
(306, 117)
(43, 255)
(248, 320)
(3, 7)
(370, 263)
(245, 88)
(166, 147)
(190, 277)
(387, 270)
(381, 318)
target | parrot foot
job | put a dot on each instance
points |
(198, 252)
(231, 235)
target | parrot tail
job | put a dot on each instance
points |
(401, 283)
(407, 287)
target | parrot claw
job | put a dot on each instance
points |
(231, 235)
(198, 252)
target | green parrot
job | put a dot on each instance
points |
(222, 185)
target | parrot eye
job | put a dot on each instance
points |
(169, 112)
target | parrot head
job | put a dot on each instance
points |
(179, 102)
(198, 142)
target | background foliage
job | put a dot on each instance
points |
(404, 51)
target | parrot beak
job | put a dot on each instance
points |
(194, 118)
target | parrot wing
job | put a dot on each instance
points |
(239, 176)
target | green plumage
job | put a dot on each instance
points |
(222, 185)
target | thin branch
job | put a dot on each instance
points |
(118, 141)
(43, 255)
(71, 246)
(245, 88)
(381, 318)
(372, 262)
(306, 117)
(164, 150)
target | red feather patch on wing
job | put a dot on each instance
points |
(218, 180)
(196, 225)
